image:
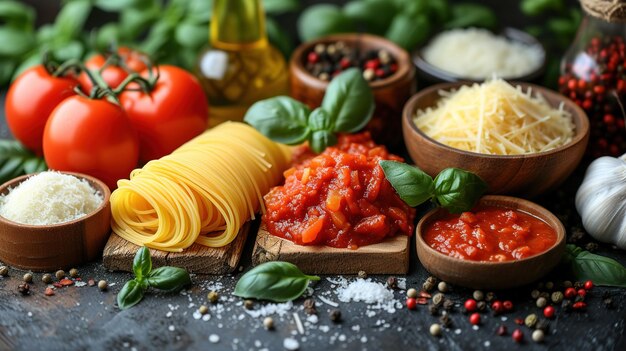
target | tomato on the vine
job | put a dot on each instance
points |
(173, 112)
(91, 136)
(113, 74)
(31, 99)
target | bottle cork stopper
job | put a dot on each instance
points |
(608, 10)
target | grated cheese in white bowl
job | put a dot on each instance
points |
(49, 198)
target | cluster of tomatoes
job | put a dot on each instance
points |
(57, 115)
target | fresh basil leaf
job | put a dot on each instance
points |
(134, 21)
(280, 6)
(73, 49)
(275, 281)
(457, 190)
(71, 19)
(538, 7)
(121, 5)
(374, 15)
(6, 71)
(472, 15)
(32, 60)
(130, 295)
(407, 31)
(200, 10)
(191, 35)
(349, 101)
(281, 119)
(601, 270)
(322, 139)
(411, 183)
(15, 42)
(169, 279)
(16, 160)
(438, 10)
(142, 264)
(321, 20)
(319, 119)
(17, 15)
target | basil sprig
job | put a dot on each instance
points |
(168, 279)
(274, 281)
(453, 189)
(602, 270)
(16, 160)
(346, 108)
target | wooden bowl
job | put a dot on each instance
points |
(432, 74)
(58, 246)
(390, 93)
(525, 175)
(492, 275)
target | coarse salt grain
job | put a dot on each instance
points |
(364, 290)
(271, 308)
(291, 344)
(214, 338)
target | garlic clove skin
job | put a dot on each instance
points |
(601, 200)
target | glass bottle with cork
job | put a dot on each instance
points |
(593, 74)
(240, 67)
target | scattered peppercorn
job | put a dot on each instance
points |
(519, 321)
(490, 296)
(335, 315)
(531, 320)
(518, 336)
(567, 284)
(538, 335)
(549, 312)
(566, 305)
(435, 329)
(507, 305)
(102, 285)
(28, 277)
(23, 288)
(248, 304)
(445, 320)
(268, 323)
(362, 274)
(534, 294)
(433, 310)
(592, 246)
(46, 278)
(556, 297)
(411, 293)
(481, 305)
(4, 271)
(438, 299)
(578, 285)
(581, 292)
(588, 285)
(579, 305)
(543, 324)
(91, 282)
(429, 284)
(60, 274)
(501, 331)
(579, 298)
(496, 307)
(608, 302)
(49, 292)
(474, 318)
(549, 285)
(74, 273)
(448, 304)
(478, 295)
(411, 303)
(470, 305)
(392, 282)
(203, 309)
(309, 306)
(541, 302)
(545, 295)
(570, 293)
(213, 296)
(443, 287)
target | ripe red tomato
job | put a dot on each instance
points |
(175, 111)
(29, 102)
(93, 137)
(113, 75)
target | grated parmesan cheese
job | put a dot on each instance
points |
(49, 198)
(478, 54)
(496, 118)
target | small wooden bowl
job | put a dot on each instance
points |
(430, 73)
(390, 93)
(58, 246)
(492, 275)
(525, 175)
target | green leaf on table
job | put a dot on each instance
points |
(458, 190)
(323, 19)
(192, 35)
(472, 15)
(17, 15)
(142, 263)
(374, 15)
(15, 42)
(349, 101)
(70, 21)
(280, 6)
(130, 295)
(168, 279)
(601, 270)
(16, 160)
(411, 183)
(407, 31)
(539, 7)
(282, 119)
(274, 281)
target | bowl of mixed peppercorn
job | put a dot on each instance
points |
(385, 66)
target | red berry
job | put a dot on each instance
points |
(582, 292)
(411, 303)
(548, 312)
(582, 84)
(587, 104)
(519, 321)
(394, 67)
(470, 305)
(518, 336)
(345, 63)
(571, 84)
(608, 119)
(474, 319)
(588, 285)
(496, 306)
(580, 305)
(599, 89)
(570, 293)
(373, 64)
(507, 305)
(380, 73)
(313, 57)
(501, 330)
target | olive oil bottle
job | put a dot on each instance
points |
(240, 67)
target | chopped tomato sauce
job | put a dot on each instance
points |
(490, 233)
(339, 198)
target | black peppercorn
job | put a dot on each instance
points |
(392, 282)
(445, 320)
(438, 299)
(543, 324)
(23, 288)
(566, 306)
(335, 315)
(591, 247)
(248, 304)
(608, 302)
(309, 306)
(490, 296)
(481, 305)
(448, 304)
(4, 271)
(433, 309)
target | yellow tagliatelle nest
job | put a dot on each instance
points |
(496, 118)
(203, 192)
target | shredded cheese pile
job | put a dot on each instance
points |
(496, 118)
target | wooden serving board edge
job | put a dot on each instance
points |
(119, 253)
(388, 257)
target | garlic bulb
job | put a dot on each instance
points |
(601, 200)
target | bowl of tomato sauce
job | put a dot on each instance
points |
(501, 243)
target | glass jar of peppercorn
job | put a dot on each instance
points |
(593, 74)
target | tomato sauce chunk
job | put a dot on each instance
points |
(339, 198)
(490, 233)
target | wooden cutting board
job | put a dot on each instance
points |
(389, 257)
(119, 254)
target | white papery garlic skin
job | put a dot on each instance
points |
(601, 200)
